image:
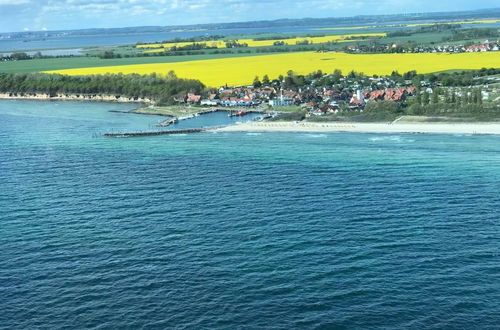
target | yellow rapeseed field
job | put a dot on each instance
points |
(242, 70)
(264, 43)
(485, 21)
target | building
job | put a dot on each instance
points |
(281, 102)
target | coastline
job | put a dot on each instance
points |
(410, 127)
(73, 97)
(487, 128)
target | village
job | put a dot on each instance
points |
(485, 46)
(316, 100)
(319, 94)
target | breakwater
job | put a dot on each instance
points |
(169, 132)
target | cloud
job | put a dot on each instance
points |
(74, 14)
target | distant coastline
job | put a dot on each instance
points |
(73, 97)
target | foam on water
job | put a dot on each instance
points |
(315, 136)
(391, 138)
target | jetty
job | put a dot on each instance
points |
(167, 122)
(166, 132)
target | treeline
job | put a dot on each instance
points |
(108, 55)
(451, 101)
(470, 34)
(424, 29)
(155, 87)
(318, 78)
(192, 39)
(21, 56)
(462, 78)
(235, 44)
(283, 37)
(299, 47)
(194, 46)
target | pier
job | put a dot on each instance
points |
(167, 122)
(166, 132)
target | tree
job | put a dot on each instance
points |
(171, 75)
(265, 80)
(435, 96)
(256, 82)
(20, 56)
(410, 75)
(418, 97)
(425, 98)
(288, 83)
(337, 75)
(479, 96)
(446, 96)
(382, 106)
(465, 97)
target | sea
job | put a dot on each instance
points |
(64, 40)
(240, 230)
(65, 44)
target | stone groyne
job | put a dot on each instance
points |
(166, 132)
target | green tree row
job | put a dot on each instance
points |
(159, 88)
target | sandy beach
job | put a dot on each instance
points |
(436, 128)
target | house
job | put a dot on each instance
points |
(209, 102)
(193, 98)
(477, 48)
(281, 102)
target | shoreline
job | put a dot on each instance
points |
(469, 128)
(487, 128)
(74, 97)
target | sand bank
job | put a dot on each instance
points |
(436, 128)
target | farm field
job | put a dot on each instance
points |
(46, 64)
(486, 21)
(265, 43)
(242, 70)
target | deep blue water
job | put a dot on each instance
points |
(237, 230)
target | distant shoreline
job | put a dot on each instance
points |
(427, 128)
(73, 97)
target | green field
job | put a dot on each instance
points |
(36, 65)
(91, 60)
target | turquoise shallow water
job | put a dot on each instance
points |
(237, 230)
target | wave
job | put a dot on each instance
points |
(315, 136)
(392, 138)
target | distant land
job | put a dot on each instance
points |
(360, 19)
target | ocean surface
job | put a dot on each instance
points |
(242, 230)
(106, 39)
(56, 45)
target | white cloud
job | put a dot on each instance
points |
(73, 14)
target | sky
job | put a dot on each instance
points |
(38, 15)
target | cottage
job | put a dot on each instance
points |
(193, 98)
